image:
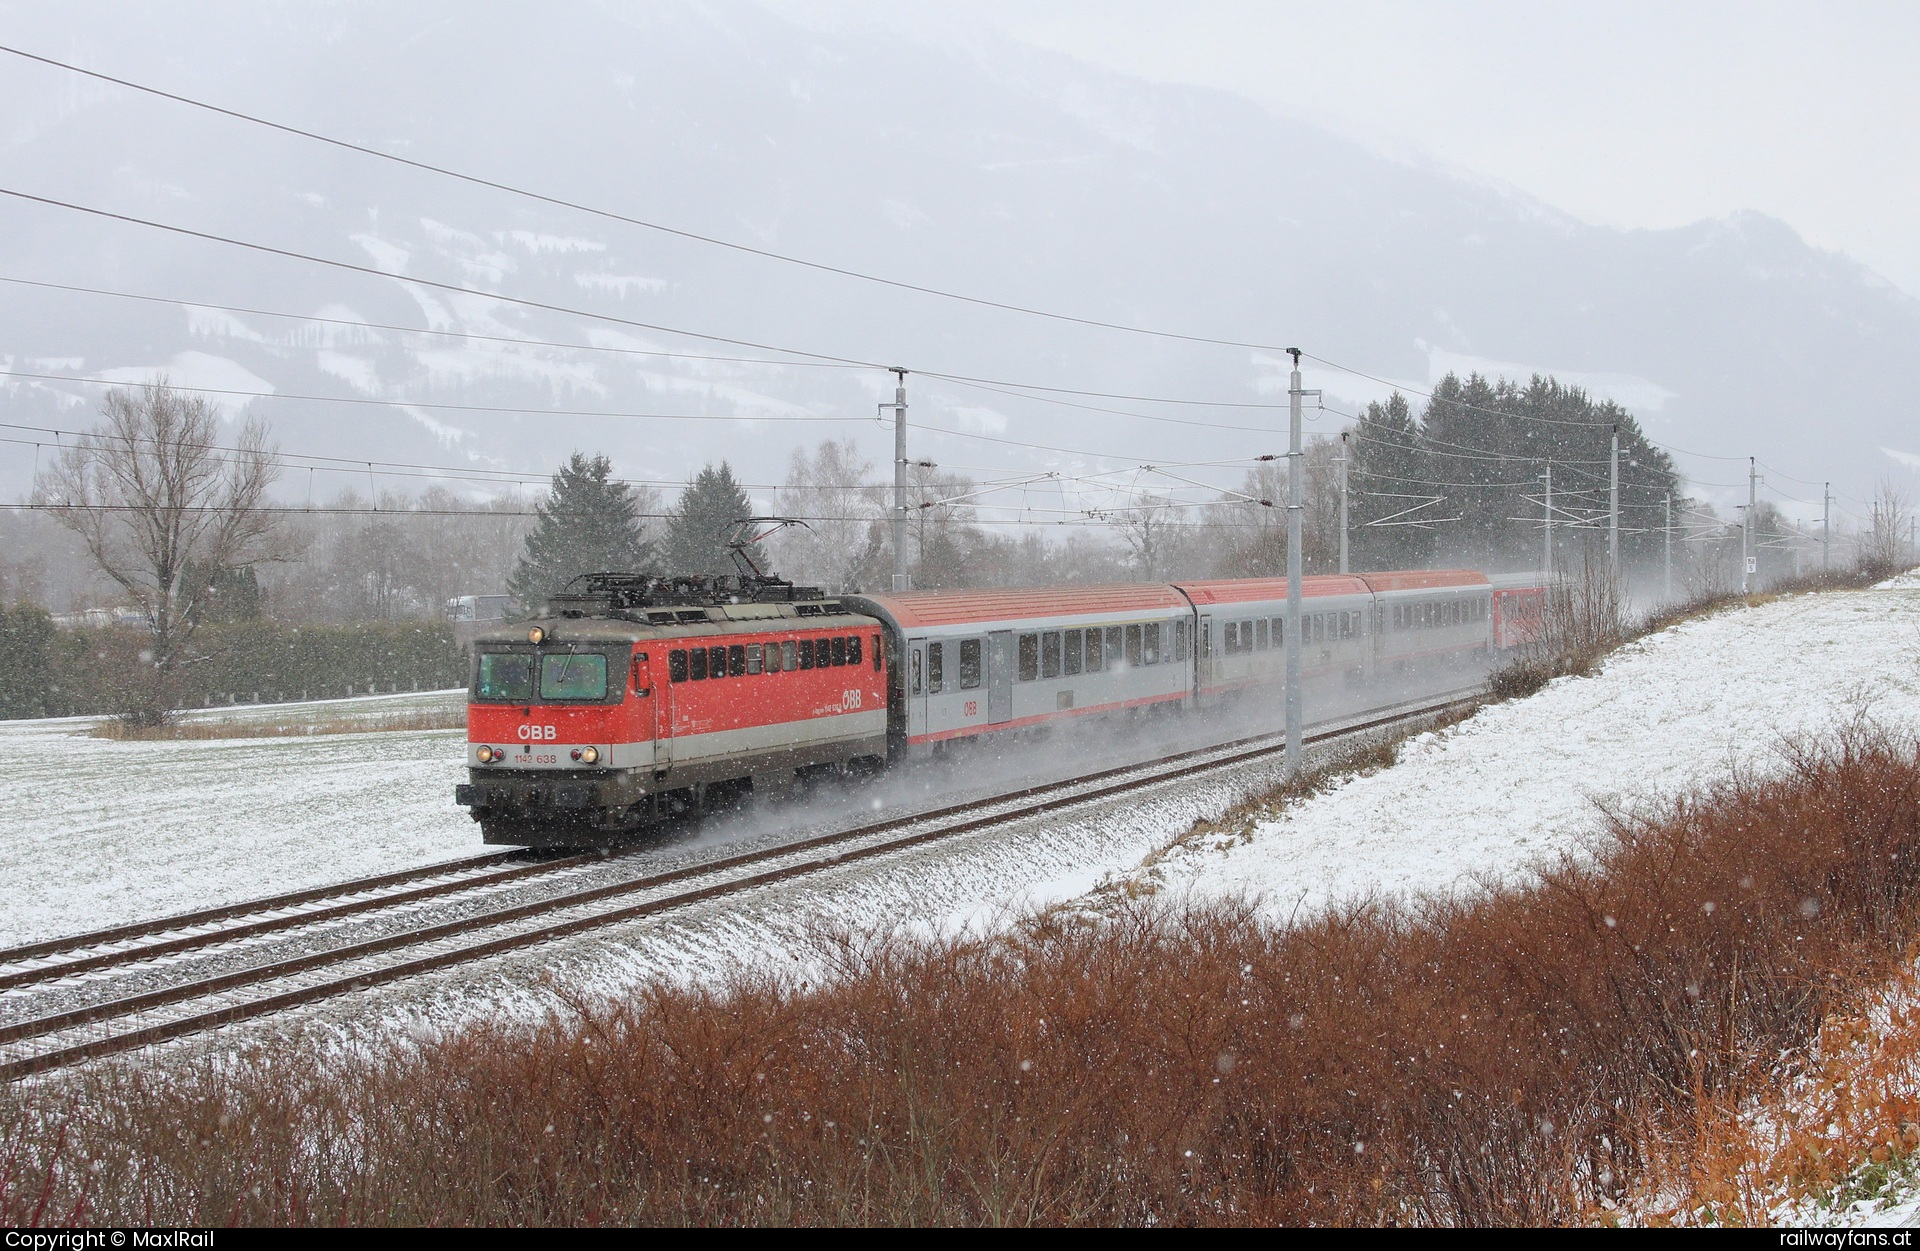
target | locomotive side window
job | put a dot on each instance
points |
(1050, 654)
(837, 649)
(697, 664)
(1095, 661)
(853, 649)
(755, 658)
(677, 666)
(1133, 644)
(823, 653)
(969, 664)
(806, 653)
(936, 667)
(737, 660)
(505, 678)
(1150, 648)
(788, 652)
(717, 661)
(1029, 657)
(773, 658)
(1070, 655)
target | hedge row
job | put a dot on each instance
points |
(46, 672)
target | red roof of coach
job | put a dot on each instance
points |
(1424, 579)
(938, 608)
(1246, 590)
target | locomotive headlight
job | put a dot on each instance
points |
(589, 755)
(536, 635)
(484, 755)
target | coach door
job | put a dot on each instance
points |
(999, 677)
(916, 686)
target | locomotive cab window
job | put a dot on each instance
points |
(504, 678)
(573, 675)
(969, 664)
(876, 653)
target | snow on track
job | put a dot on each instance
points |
(1525, 780)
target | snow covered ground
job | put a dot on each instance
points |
(1527, 779)
(96, 833)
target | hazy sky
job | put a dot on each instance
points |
(1623, 113)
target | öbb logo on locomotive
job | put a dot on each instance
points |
(701, 689)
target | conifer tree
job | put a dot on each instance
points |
(702, 520)
(587, 524)
(1388, 483)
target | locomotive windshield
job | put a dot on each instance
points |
(505, 678)
(573, 676)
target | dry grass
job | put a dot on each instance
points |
(1533, 1054)
(237, 727)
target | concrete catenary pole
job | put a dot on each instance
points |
(1613, 510)
(1666, 590)
(1826, 525)
(902, 580)
(1746, 530)
(1295, 505)
(1546, 543)
(1345, 452)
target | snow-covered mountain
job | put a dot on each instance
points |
(1011, 174)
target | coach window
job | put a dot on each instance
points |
(1150, 644)
(853, 649)
(1095, 660)
(936, 668)
(1133, 645)
(1182, 640)
(1261, 640)
(1029, 657)
(676, 666)
(1071, 653)
(1050, 654)
(1113, 653)
(697, 662)
(756, 658)
(1230, 635)
(969, 664)
(917, 678)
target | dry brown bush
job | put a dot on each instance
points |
(1515, 1056)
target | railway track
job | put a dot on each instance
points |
(93, 995)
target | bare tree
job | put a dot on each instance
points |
(828, 491)
(162, 509)
(1149, 525)
(1883, 546)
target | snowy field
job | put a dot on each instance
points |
(96, 833)
(1527, 779)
